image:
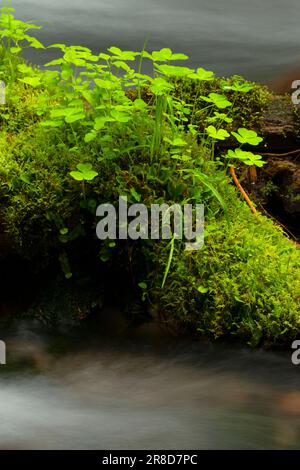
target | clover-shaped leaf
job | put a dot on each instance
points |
(248, 158)
(165, 55)
(177, 142)
(202, 74)
(32, 81)
(239, 87)
(218, 134)
(85, 172)
(220, 117)
(139, 104)
(245, 136)
(160, 86)
(122, 55)
(77, 175)
(120, 116)
(218, 100)
(179, 56)
(174, 70)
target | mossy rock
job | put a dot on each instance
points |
(249, 279)
(248, 270)
(247, 108)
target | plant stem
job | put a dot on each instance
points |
(167, 270)
(241, 189)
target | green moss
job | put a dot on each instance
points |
(251, 273)
(33, 187)
(20, 111)
(296, 118)
(247, 108)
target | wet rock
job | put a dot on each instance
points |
(281, 189)
(65, 304)
(280, 124)
(286, 175)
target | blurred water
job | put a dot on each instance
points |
(258, 38)
(134, 394)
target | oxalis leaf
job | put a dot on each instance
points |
(90, 136)
(239, 87)
(218, 134)
(218, 100)
(160, 86)
(165, 55)
(174, 70)
(245, 136)
(74, 118)
(32, 81)
(84, 167)
(177, 142)
(90, 175)
(202, 74)
(85, 172)
(219, 117)
(123, 55)
(77, 175)
(248, 158)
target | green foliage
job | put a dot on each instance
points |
(96, 118)
(248, 100)
(84, 172)
(245, 136)
(248, 158)
(220, 101)
(244, 283)
(217, 134)
(14, 39)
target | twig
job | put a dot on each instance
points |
(243, 192)
(286, 154)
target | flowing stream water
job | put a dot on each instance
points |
(145, 392)
(258, 39)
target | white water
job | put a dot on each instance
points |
(128, 395)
